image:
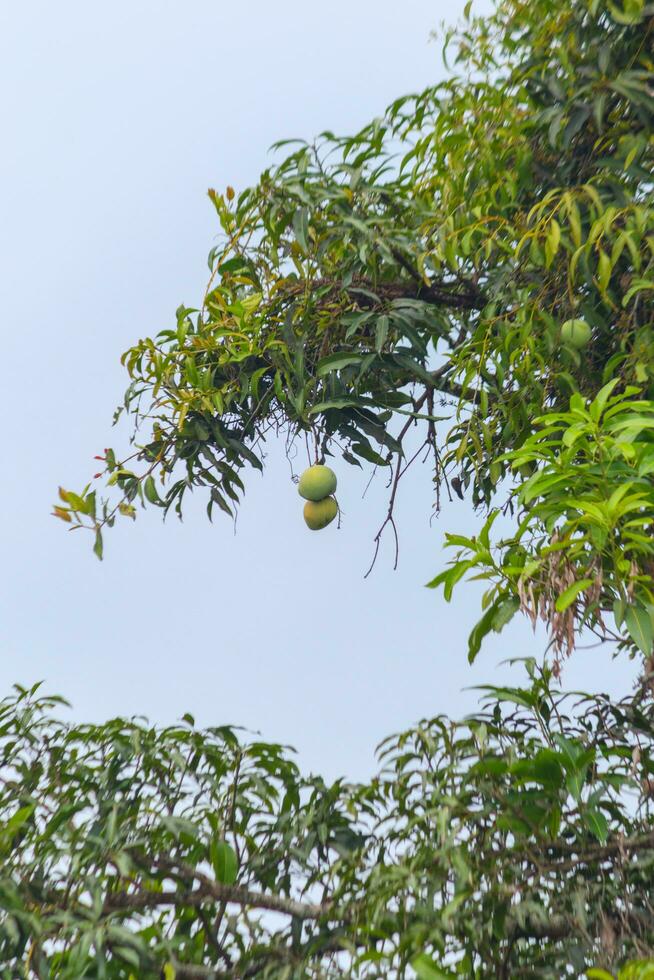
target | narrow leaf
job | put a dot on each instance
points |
(639, 625)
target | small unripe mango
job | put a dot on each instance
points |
(317, 482)
(320, 513)
(575, 333)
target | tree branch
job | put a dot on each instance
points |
(212, 891)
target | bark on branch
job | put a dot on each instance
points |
(140, 899)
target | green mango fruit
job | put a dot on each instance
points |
(320, 513)
(575, 333)
(317, 482)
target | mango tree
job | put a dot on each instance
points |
(470, 276)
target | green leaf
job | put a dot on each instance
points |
(219, 499)
(335, 362)
(637, 970)
(62, 816)
(631, 13)
(603, 271)
(19, 818)
(598, 404)
(98, 546)
(381, 332)
(427, 969)
(570, 594)
(496, 616)
(125, 953)
(504, 612)
(639, 625)
(596, 823)
(618, 612)
(224, 861)
(576, 759)
(637, 286)
(413, 367)
(301, 227)
(552, 241)
(150, 490)
(478, 632)
(365, 451)
(340, 403)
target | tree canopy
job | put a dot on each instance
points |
(516, 843)
(472, 274)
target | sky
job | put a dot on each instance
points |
(115, 121)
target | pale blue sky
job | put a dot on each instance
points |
(115, 120)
